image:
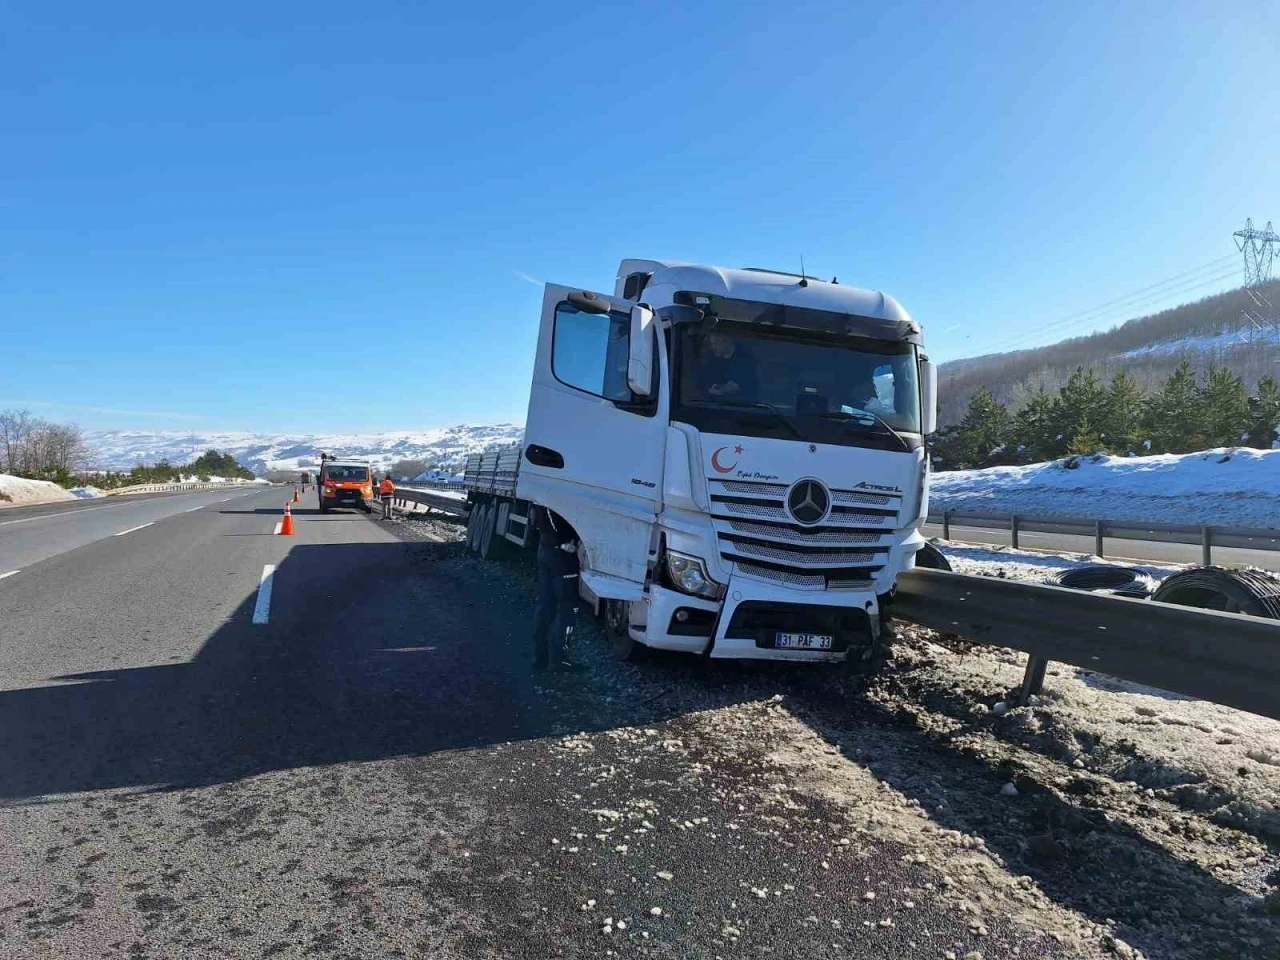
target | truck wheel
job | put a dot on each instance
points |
(487, 523)
(323, 508)
(614, 613)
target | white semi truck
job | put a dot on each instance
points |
(742, 453)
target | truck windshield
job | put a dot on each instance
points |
(744, 378)
(335, 473)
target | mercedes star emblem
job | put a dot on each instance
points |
(808, 502)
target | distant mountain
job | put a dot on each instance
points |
(1212, 330)
(260, 452)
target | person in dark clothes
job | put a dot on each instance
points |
(726, 369)
(553, 620)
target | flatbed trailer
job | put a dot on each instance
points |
(496, 514)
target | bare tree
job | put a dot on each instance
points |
(62, 447)
(29, 445)
(15, 429)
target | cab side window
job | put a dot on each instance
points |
(589, 352)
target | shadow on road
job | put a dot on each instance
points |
(404, 649)
(373, 650)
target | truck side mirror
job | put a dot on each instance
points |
(928, 397)
(640, 352)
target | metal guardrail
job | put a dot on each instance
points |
(1207, 537)
(156, 488)
(450, 505)
(1226, 658)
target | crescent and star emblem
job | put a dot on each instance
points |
(719, 467)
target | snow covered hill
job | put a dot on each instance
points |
(1236, 487)
(123, 449)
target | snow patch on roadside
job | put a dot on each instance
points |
(1237, 487)
(19, 490)
(1010, 564)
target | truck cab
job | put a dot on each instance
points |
(742, 453)
(344, 483)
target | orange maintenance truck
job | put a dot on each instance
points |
(345, 483)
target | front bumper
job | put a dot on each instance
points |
(745, 624)
(347, 497)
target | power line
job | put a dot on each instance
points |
(1135, 309)
(1129, 302)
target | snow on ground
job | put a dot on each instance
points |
(1237, 487)
(1005, 562)
(18, 490)
(452, 494)
(1207, 343)
(86, 493)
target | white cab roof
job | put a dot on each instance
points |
(671, 277)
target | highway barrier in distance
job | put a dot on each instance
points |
(452, 505)
(1207, 536)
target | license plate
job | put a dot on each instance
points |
(803, 641)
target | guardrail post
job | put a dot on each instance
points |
(1206, 545)
(946, 524)
(1097, 539)
(1013, 531)
(1032, 680)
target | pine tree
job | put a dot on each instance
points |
(1264, 413)
(1224, 407)
(1081, 402)
(1085, 440)
(1033, 428)
(1171, 415)
(984, 431)
(1123, 414)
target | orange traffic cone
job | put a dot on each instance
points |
(295, 496)
(286, 525)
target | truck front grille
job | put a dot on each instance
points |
(756, 532)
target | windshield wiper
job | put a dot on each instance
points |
(869, 419)
(756, 405)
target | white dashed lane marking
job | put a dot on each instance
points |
(9, 574)
(262, 609)
(132, 529)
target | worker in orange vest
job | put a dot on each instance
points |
(386, 490)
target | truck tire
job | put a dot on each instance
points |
(484, 539)
(614, 615)
(1105, 578)
(1216, 588)
(323, 508)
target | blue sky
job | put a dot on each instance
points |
(210, 215)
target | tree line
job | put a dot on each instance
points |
(37, 449)
(1087, 415)
(1214, 329)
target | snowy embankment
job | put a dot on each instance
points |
(1230, 487)
(1010, 564)
(14, 490)
(437, 491)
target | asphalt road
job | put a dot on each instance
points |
(1140, 550)
(364, 766)
(29, 534)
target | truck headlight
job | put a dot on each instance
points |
(690, 575)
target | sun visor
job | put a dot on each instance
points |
(896, 325)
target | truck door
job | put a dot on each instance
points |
(593, 449)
